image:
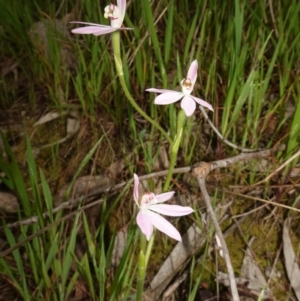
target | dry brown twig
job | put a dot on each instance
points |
(278, 169)
(254, 198)
(200, 172)
(223, 139)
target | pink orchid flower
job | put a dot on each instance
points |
(115, 13)
(149, 204)
(188, 103)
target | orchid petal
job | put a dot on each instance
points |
(105, 31)
(188, 105)
(202, 103)
(144, 222)
(95, 30)
(171, 210)
(159, 90)
(192, 73)
(122, 7)
(160, 198)
(163, 225)
(168, 97)
(88, 23)
(136, 188)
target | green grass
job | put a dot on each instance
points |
(248, 56)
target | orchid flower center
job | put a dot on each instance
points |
(147, 198)
(186, 86)
(112, 12)
(109, 11)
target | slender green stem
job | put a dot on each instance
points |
(142, 269)
(143, 262)
(119, 67)
(174, 151)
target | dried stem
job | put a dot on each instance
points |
(200, 171)
(244, 150)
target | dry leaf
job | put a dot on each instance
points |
(115, 169)
(119, 247)
(162, 161)
(72, 125)
(48, 117)
(8, 202)
(292, 268)
(252, 272)
(252, 282)
(79, 292)
(191, 242)
(85, 185)
(44, 33)
(295, 172)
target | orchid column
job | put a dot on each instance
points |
(188, 106)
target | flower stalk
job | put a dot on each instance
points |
(119, 68)
(142, 269)
(143, 263)
(181, 118)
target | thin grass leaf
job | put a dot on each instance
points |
(191, 33)
(87, 273)
(68, 255)
(8, 271)
(244, 94)
(16, 177)
(122, 269)
(238, 22)
(47, 196)
(45, 281)
(83, 164)
(34, 261)
(293, 141)
(71, 284)
(23, 287)
(33, 176)
(169, 31)
(157, 48)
